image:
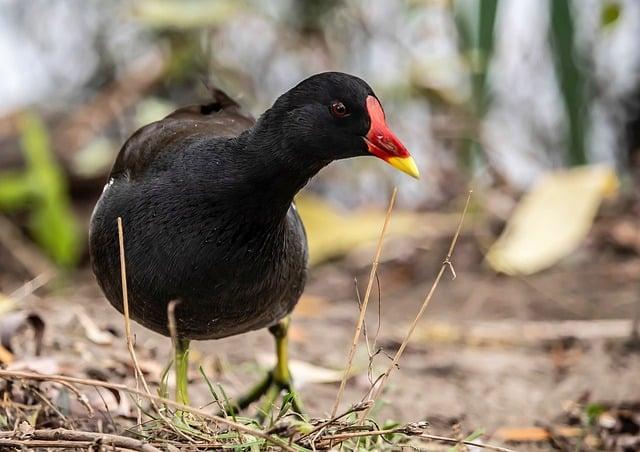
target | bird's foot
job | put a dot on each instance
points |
(276, 382)
(271, 387)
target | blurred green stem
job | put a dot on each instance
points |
(476, 23)
(570, 77)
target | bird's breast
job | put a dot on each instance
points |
(229, 272)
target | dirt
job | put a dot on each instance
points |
(494, 382)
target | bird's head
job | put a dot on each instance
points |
(333, 115)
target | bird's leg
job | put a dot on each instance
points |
(276, 381)
(281, 373)
(254, 394)
(181, 348)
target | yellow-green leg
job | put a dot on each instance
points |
(277, 380)
(281, 374)
(181, 349)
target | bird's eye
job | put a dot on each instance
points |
(338, 109)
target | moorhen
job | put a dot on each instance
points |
(206, 199)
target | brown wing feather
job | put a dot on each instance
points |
(220, 118)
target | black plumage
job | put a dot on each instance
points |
(206, 198)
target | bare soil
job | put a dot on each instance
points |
(492, 352)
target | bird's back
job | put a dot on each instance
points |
(188, 233)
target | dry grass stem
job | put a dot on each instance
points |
(448, 440)
(353, 409)
(127, 321)
(31, 286)
(6, 374)
(171, 324)
(61, 438)
(415, 430)
(173, 329)
(445, 264)
(365, 302)
(406, 430)
(129, 337)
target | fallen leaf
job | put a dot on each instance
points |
(332, 233)
(47, 366)
(91, 330)
(14, 323)
(535, 434)
(179, 14)
(6, 357)
(304, 372)
(25, 429)
(552, 220)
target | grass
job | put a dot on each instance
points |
(162, 423)
(285, 430)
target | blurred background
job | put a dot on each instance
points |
(535, 105)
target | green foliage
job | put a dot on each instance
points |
(42, 188)
(472, 437)
(571, 78)
(14, 192)
(610, 13)
(593, 411)
(475, 22)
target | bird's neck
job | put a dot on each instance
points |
(276, 170)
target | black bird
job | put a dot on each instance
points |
(206, 199)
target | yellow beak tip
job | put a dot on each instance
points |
(405, 164)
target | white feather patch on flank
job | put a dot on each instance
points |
(107, 185)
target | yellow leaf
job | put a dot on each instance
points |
(186, 13)
(552, 220)
(6, 304)
(332, 233)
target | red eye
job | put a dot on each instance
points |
(338, 109)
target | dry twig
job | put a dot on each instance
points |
(445, 264)
(127, 321)
(6, 374)
(365, 302)
(412, 430)
(353, 409)
(63, 438)
(129, 337)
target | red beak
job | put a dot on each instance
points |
(383, 143)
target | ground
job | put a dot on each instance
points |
(498, 353)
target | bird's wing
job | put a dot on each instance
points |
(222, 117)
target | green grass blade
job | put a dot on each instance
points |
(571, 78)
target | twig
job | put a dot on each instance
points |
(448, 440)
(47, 402)
(74, 438)
(445, 264)
(127, 326)
(29, 444)
(81, 397)
(7, 374)
(31, 286)
(173, 333)
(171, 316)
(127, 321)
(410, 430)
(365, 302)
(353, 409)
(91, 118)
